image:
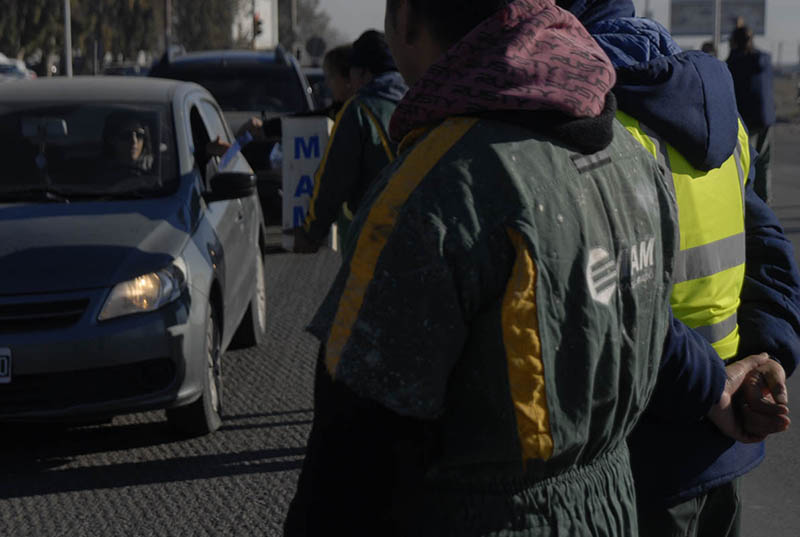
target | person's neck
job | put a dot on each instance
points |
(429, 51)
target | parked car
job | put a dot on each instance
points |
(246, 83)
(129, 260)
(14, 70)
(125, 69)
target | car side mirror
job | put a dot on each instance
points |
(230, 185)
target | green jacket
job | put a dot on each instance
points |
(358, 149)
(513, 295)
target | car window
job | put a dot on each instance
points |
(200, 139)
(214, 122)
(273, 89)
(88, 150)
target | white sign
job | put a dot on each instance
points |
(304, 142)
(696, 17)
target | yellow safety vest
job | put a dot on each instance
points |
(709, 269)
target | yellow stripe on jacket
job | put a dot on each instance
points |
(523, 346)
(312, 213)
(379, 225)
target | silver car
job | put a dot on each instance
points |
(130, 257)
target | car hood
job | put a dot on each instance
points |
(48, 248)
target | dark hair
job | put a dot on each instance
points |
(742, 38)
(450, 20)
(115, 123)
(371, 52)
(338, 60)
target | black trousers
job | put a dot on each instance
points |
(715, 514)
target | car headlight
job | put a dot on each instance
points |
(148, 292)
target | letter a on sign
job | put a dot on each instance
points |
(304, 186)
(308, 148)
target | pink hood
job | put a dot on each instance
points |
(530, 55)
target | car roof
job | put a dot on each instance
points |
(92, 88)
(230, 57)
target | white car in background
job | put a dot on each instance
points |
(11, 69)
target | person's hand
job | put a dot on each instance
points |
(217, 148)
(763, 400)
(254, 126)
(723, 414)
(303, 244)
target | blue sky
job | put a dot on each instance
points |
(352, 17)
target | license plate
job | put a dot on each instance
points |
(5, 366)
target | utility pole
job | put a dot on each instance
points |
(67, 38)
(167, 25)
(717, 24)
(294, 18)
(253, 21)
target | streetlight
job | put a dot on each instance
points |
(67, 38)
(717, 23)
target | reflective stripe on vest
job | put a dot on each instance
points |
(709, 268)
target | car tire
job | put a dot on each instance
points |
(204, 415)
(252, 329)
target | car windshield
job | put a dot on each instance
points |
(273, 90)
(87, 151)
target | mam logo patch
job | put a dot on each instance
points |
(605, 273)
(601, 275)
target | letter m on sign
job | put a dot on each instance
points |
(306, 147)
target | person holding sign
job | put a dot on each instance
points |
(359, 146)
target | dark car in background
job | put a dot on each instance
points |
(129, 262)
(125, 69)
(323, 98)
(245, 83)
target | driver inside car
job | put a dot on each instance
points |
(127, 142)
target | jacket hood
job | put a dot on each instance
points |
(389, 86)
(50, 248)
(655, 79)
(529, 56)
(593, 11)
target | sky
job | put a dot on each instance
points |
(352, 17)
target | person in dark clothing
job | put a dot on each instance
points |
(753, 82)
(686, 473)
(359, 146)
(495, 330)
(336, 66)
(709, 48)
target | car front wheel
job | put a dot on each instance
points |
(204, 415)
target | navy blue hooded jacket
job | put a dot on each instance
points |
(676, 454)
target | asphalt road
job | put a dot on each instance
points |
(134, 477)
(771, 492)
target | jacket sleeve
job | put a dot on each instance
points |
(691, 376)
(338, 173)
(769, 313)
(399, 327)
